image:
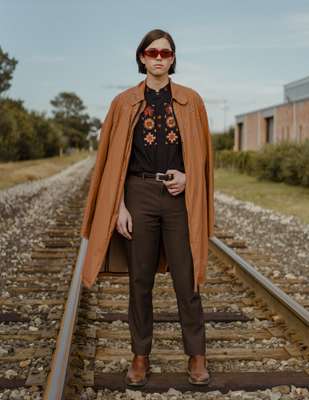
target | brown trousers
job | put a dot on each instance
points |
(154, 212)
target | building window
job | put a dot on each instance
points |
(240, 135)
(269, 129)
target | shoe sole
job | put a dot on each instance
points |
(196, 382)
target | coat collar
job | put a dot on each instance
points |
(176, 91)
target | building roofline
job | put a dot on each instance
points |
(273, 106)
(297, 82)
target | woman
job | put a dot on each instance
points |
(160, 186)
(152, 206)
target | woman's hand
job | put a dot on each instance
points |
(177, 184)
(124, 222)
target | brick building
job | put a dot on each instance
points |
(288, 120)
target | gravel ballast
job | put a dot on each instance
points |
(283, 238)
(26, 210)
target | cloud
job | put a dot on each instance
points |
(298, 23)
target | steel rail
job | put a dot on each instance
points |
(294, 314)
(56, 380)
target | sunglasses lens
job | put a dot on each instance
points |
(166, 53)
(153, 53)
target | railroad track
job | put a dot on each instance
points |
(58, 338)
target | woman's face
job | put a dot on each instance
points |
(158, 66)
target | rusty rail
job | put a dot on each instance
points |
(277, 300)
(59, 366)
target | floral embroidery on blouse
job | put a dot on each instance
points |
(149, 111)
(157, 143)
(168, 109)
(170, 122)
(150, 138)
(150, 123)
(171, 136)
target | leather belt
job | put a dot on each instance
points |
(158, 176)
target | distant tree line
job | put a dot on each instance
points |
(225, 140)
(29, 134)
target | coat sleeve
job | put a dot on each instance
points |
(209, 166)
(102, 152)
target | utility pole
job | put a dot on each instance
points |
(225, 107)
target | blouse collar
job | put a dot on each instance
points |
(164, 92)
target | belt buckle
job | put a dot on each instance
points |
(157, 176)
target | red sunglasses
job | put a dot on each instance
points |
(153, 53)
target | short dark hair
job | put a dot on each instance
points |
(147, 39)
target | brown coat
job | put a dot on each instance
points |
(107, 180)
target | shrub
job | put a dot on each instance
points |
(283, 162)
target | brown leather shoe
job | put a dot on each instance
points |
(138, 371)
(198, 374)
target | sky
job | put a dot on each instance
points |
(236, 54)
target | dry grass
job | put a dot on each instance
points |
(286, 199)
(13, 173)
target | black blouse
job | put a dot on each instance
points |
(156, 143)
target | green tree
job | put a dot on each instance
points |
(224, 141)
(50, 134)
(67, 105)
(7, 66)
(69, 112)
(18, 139)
